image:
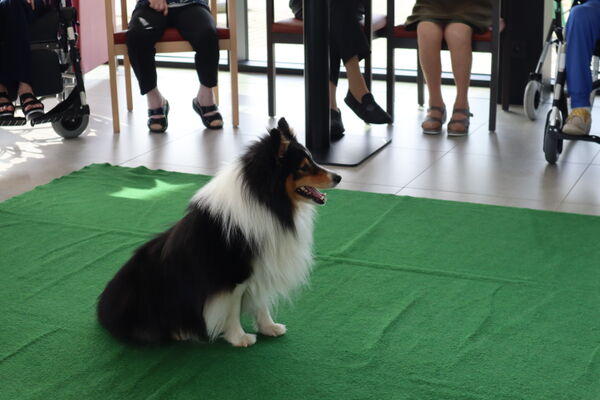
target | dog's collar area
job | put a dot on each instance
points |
(312, 193)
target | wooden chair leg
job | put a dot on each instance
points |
(216, 94)
(235, 105)
(127, 65)
(112, 69)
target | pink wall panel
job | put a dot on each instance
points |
(92, 33)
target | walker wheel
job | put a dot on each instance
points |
(532, 99)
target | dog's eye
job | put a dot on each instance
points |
(304, 168)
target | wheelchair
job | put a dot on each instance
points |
(56, 71)
(556, 117)
(536, 91)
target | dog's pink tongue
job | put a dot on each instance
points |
(316, 195)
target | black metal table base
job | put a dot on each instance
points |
(354, 148)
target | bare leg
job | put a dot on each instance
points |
(459, 38)
(430, 37)
(266, 326)
(356, 81)
(332, 94)
(205, 98)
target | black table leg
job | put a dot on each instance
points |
(352, 149)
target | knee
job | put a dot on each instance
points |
(139, 38)
(458, 34)
(203, 36)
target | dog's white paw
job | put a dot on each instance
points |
(244, 340)
(273, 330)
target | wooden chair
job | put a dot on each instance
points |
(170, 42)
(291, 30)
(399, 37)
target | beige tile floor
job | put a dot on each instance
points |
(506, 168)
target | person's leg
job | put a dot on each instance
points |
(429, 36)
(350, 43)
(197, 26)
(145, 29)
(459, 38)
(583, 31)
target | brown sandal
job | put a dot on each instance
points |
(440, 121)
(465, 122)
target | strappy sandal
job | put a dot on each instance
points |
(33, 105)
(10, 113)
(207, 119)
(465, 122)
(163, 121)
(441, 121)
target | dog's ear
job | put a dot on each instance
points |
(282, 142)
(284, 128)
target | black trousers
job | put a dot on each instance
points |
(15, 51)
(346, 36)
(195, 24)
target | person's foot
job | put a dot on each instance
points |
(205, 106)
(337, 126)
(30, 105)
(578, 122)
(436, 117)
(7, 108)
(367, 109)
(460, 122)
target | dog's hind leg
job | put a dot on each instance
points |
(222, 315)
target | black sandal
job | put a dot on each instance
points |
(207, 119)
(34, 111)
(465, 122)
(163, 121)
(6, 113)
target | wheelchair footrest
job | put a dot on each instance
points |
(15, 121)
(585, 138)
(57, 116)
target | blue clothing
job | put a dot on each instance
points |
(173, 2)
(583, 31)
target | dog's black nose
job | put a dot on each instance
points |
(337, 178)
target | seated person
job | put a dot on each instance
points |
(454, 21)
(348, 43)
(193, 20)
(583, 31)
(15, 56)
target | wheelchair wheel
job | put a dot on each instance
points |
(532, 99)
(71, 127)
(552, 144)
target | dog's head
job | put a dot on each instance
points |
(303, 176)
(278, 167)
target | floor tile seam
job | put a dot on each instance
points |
(481, 194)
(426, 169)
(576, 182)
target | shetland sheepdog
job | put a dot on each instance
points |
(245, 242)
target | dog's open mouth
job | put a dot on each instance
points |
(312, 193)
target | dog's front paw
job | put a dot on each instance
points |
(273, 330)
(244, 340)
